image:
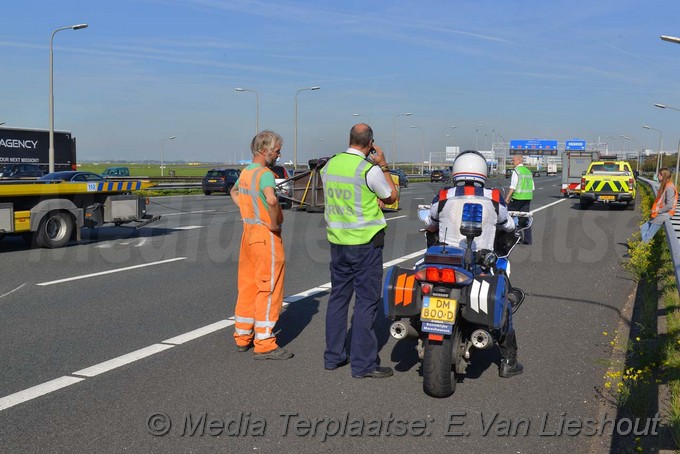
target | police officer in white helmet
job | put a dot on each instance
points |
(469, 176)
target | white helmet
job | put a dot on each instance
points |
(470, 166)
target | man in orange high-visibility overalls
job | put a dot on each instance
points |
(261, 266)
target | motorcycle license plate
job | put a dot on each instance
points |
(606, 197)
(436, 309)
(212, 181)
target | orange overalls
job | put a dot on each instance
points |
(261, 268)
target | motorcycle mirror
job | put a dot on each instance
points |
(423, 214)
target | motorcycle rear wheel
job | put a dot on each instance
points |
(439, 379)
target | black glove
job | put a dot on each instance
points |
(432, 238)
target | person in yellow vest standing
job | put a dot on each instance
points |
(520, 193)
(355, 228)
(261, 266)
(664, 205)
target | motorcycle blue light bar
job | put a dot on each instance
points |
(472, 212)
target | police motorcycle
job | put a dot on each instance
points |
(453, 300)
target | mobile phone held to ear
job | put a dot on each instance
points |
(373, 151)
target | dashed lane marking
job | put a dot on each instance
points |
(102, 273)
(92, 371)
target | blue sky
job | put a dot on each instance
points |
(148, 69)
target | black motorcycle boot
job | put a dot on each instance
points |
(509, 365)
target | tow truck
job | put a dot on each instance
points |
(49, 214)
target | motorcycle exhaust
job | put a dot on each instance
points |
(402, 329)
(481, 339)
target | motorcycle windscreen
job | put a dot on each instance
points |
(401, 293)
(486, 300)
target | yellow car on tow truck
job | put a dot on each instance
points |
(50, 213)
(608, 182)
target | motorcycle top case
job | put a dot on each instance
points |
(401, 293)
(487, 299)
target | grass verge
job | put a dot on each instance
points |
(649, 359)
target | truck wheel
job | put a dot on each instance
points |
(584, 204)
(207, 192)
(55, 230)
(438, 377)
(631, 205)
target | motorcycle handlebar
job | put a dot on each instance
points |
(521, 214)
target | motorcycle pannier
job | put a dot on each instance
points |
(486, 300)
(401, 293)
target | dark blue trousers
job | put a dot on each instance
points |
(522, 205)
(358, 270)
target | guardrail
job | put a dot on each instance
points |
(672, 227)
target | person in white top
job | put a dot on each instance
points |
(469, 177)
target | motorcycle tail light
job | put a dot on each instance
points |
(448, 276)
(432, 274)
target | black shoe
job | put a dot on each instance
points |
(277, 353)
(379, 372)
(244, 348)
(343, 363)
(510, 367)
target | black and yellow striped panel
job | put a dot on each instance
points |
(117, 186)
(604, 185)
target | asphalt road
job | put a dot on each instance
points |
(92, 348)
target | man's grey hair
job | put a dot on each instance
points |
(265, 140)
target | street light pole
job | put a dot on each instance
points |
(670, 39)
(394, 135)
(51, 151)
(449, 127)
(296, 124)
(422, 146)
(658, 155)
(663, 106)
(637, 168)
(257, 107)
(163, 152)
(477, 135)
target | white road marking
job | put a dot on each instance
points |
(48, 387)
(190, 212)
(200, 332)
(122, 360)
(188, 227)
(396, 217)
(12, 291)
(37, 391)
(548, 205)
(102, 273)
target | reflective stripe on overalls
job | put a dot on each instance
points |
(261, 268)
